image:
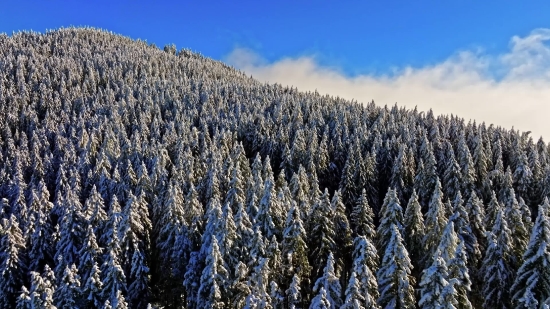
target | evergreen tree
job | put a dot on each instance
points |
(435, 223)
(395, 281)
(365, 265)
(259, 283)
(12, 263)
(114, 280)
(362, 217)
(532, 283)
(459, 272)
(342, 234)
(42, 291)
(391, 213)
(354, 299)
(293, 293)
(214, 276)
(476, 213)
(91, 291)
(329, 283)
(414, 231)
(461, 220)
(320, 301)
(434, 280)
(497, 270)
(321, 234)
(68, 292)
(24, 299)
(294, 250)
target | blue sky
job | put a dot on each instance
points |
(371, 49)
(356, 36)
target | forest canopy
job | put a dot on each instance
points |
(136, 177)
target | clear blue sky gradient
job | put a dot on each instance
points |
(356, 36)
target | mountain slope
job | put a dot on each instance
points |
(134, 175)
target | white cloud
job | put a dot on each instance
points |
(464, 84)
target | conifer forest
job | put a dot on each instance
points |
(133, 176)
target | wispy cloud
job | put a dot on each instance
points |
(510, 90)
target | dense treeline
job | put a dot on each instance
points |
(132, 176)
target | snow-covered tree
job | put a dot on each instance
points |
(329, 283)
(434, 280)
(435, 222)
(365, 266)
(391, 213)
(496, 268)
(395, 281)
(321, 234)
(12, 261)
(533, 277)
(362, 217)
(458, 270)
(414, 230)
(68, 291)
(213, 279)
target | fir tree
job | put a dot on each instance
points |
(68, 292)
(434, 280)
(395, 281)
(459, 272)
(497, 270)
(435, 223)
(321, 234)
(329, 283)
(533, 277)
(391, 213)
(414, 231)
(213, 279)
(365, 266)
(12, 263)
(354, 298)
(362, 217)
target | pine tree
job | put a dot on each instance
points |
(294, 249)
(458, 271)
(42, 291)
(435, 223)
(365, 266)
(492, 208)
(294, 296)
(476, 213)
(92, 289)
(114, 280)
(464, 231)
(520, 235)
(354, 298)
(213, 279)
(362, 217)
(330, 283)
(533, 277)
(320, 301)
(342, 234)
(395, 281)
(12, 263)
(434, 280)
(414, 231)
(391, 213)
(24, 299)
(321, 234)
(268, 211)
(452, 176)
(259, 282)
(496, 266)
(68, 292)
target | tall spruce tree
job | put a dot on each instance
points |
(395, 281)
(532, 283)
